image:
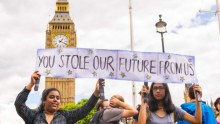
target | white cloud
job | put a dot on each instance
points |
(8, 115)
(105, 24)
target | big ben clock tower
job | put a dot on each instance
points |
(61, 33)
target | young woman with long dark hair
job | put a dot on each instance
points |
(160, 109)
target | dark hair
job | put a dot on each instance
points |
(216, 102)
(167, 101)
(119, 98)
(100, 104)
(44, 97)
(138, 109)
(191, 92)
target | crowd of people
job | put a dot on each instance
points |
(157, 109)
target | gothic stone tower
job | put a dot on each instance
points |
(61, 33)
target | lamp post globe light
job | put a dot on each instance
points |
(161, 28)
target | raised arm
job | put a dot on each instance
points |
(142, 118)
(129, 111)
(197, 119)
(23, 111)
(79, 113)
(34, 77)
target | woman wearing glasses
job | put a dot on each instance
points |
(160, 108)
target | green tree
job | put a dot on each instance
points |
(71, 106)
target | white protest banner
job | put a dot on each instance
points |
(116, 64)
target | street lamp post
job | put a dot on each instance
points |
(161, 28)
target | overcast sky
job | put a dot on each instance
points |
(104, 24)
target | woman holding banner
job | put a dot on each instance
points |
(49, 112)
(160, 108)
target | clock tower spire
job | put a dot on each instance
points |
(62, 6)
(61, 33)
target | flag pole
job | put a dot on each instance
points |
(218, 14)
(132, 48)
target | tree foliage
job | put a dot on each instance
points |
(71, 106)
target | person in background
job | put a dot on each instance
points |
(134, 120)
(117, 110)
(208, 116)
(217, 107)
(102, 104)
(49, 110)
(159, 109)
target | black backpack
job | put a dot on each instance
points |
(97, 118)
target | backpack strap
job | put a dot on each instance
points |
(173, 117)
(148, 115)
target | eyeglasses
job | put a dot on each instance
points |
(158, 88)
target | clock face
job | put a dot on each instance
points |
(60, 41)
